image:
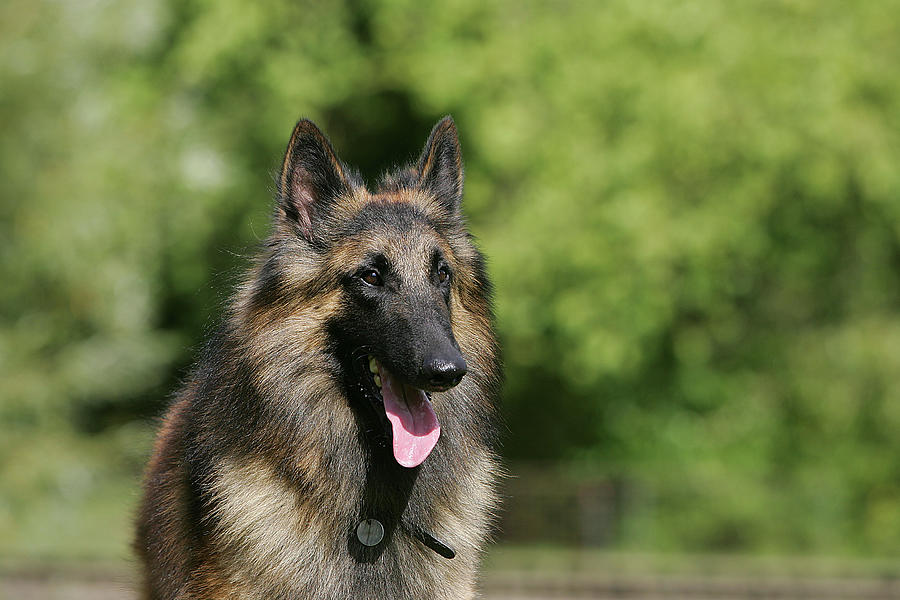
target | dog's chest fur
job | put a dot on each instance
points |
(278, 538)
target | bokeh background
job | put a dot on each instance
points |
(691, 210)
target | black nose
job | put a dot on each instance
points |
(442, 373)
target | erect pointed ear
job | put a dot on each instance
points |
(440, 166)
(311, 178)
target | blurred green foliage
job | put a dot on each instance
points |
(692, 211)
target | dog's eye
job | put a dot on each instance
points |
(372, 277)
(443, 274)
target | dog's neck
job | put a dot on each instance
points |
(386, 497)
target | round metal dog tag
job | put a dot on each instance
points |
(370, 532)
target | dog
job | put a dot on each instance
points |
(337, 437)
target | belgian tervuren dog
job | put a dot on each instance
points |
(336, 438)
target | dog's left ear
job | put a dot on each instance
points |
(440, 166)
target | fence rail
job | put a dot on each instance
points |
(94, 584)
(517, 585)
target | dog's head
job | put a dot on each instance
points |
(394, 266)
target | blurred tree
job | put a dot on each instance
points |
(691, 210)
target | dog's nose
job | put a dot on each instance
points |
(442, 373)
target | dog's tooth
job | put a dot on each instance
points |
(377, 379)
(373, 366)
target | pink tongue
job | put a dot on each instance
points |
(416, 428)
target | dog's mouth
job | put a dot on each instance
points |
(414, 426)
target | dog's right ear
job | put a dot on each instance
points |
(311, 180)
